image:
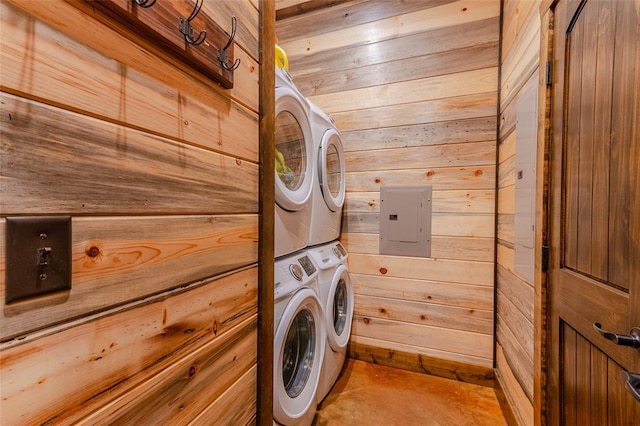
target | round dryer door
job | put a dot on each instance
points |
(298, 356)
(294, 148)
(331, 170)
(340, 309)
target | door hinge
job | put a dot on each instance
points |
(545, 258)
(549, 74)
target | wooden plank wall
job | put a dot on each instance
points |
(413, 88)
(158, 168)
(515, 302)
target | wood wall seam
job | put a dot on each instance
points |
(504, 401)
(515, 312)
(497, 190)
(516, 400)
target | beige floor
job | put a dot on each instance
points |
(369, 394)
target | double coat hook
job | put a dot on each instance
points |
(223, 57)
(144, 3)
(185, 25)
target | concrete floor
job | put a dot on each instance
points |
(369, 394)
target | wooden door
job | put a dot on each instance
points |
(594, 229)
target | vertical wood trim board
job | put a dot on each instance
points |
(159, 169)
(266, 308)
(541, 286)
(413, 89)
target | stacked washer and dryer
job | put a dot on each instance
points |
(334, 284)
(313, 291)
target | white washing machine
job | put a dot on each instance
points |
(328, 180)
(299, 340)
(294, 167)
(337, 296)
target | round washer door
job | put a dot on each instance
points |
(299, 352)
(339, 309)
(331, 170)
(294, 150)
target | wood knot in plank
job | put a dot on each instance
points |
(92, 251)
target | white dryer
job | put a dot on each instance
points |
(294, 167)
(329, 179)
(299, 340)
(337, 298)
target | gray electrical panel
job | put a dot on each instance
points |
(405, 220)
(525, 188)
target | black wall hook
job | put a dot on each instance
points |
(223, 57)
(185, 25)
(144, 3)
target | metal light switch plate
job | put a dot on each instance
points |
(38, 256)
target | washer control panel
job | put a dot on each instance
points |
(293, 272)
